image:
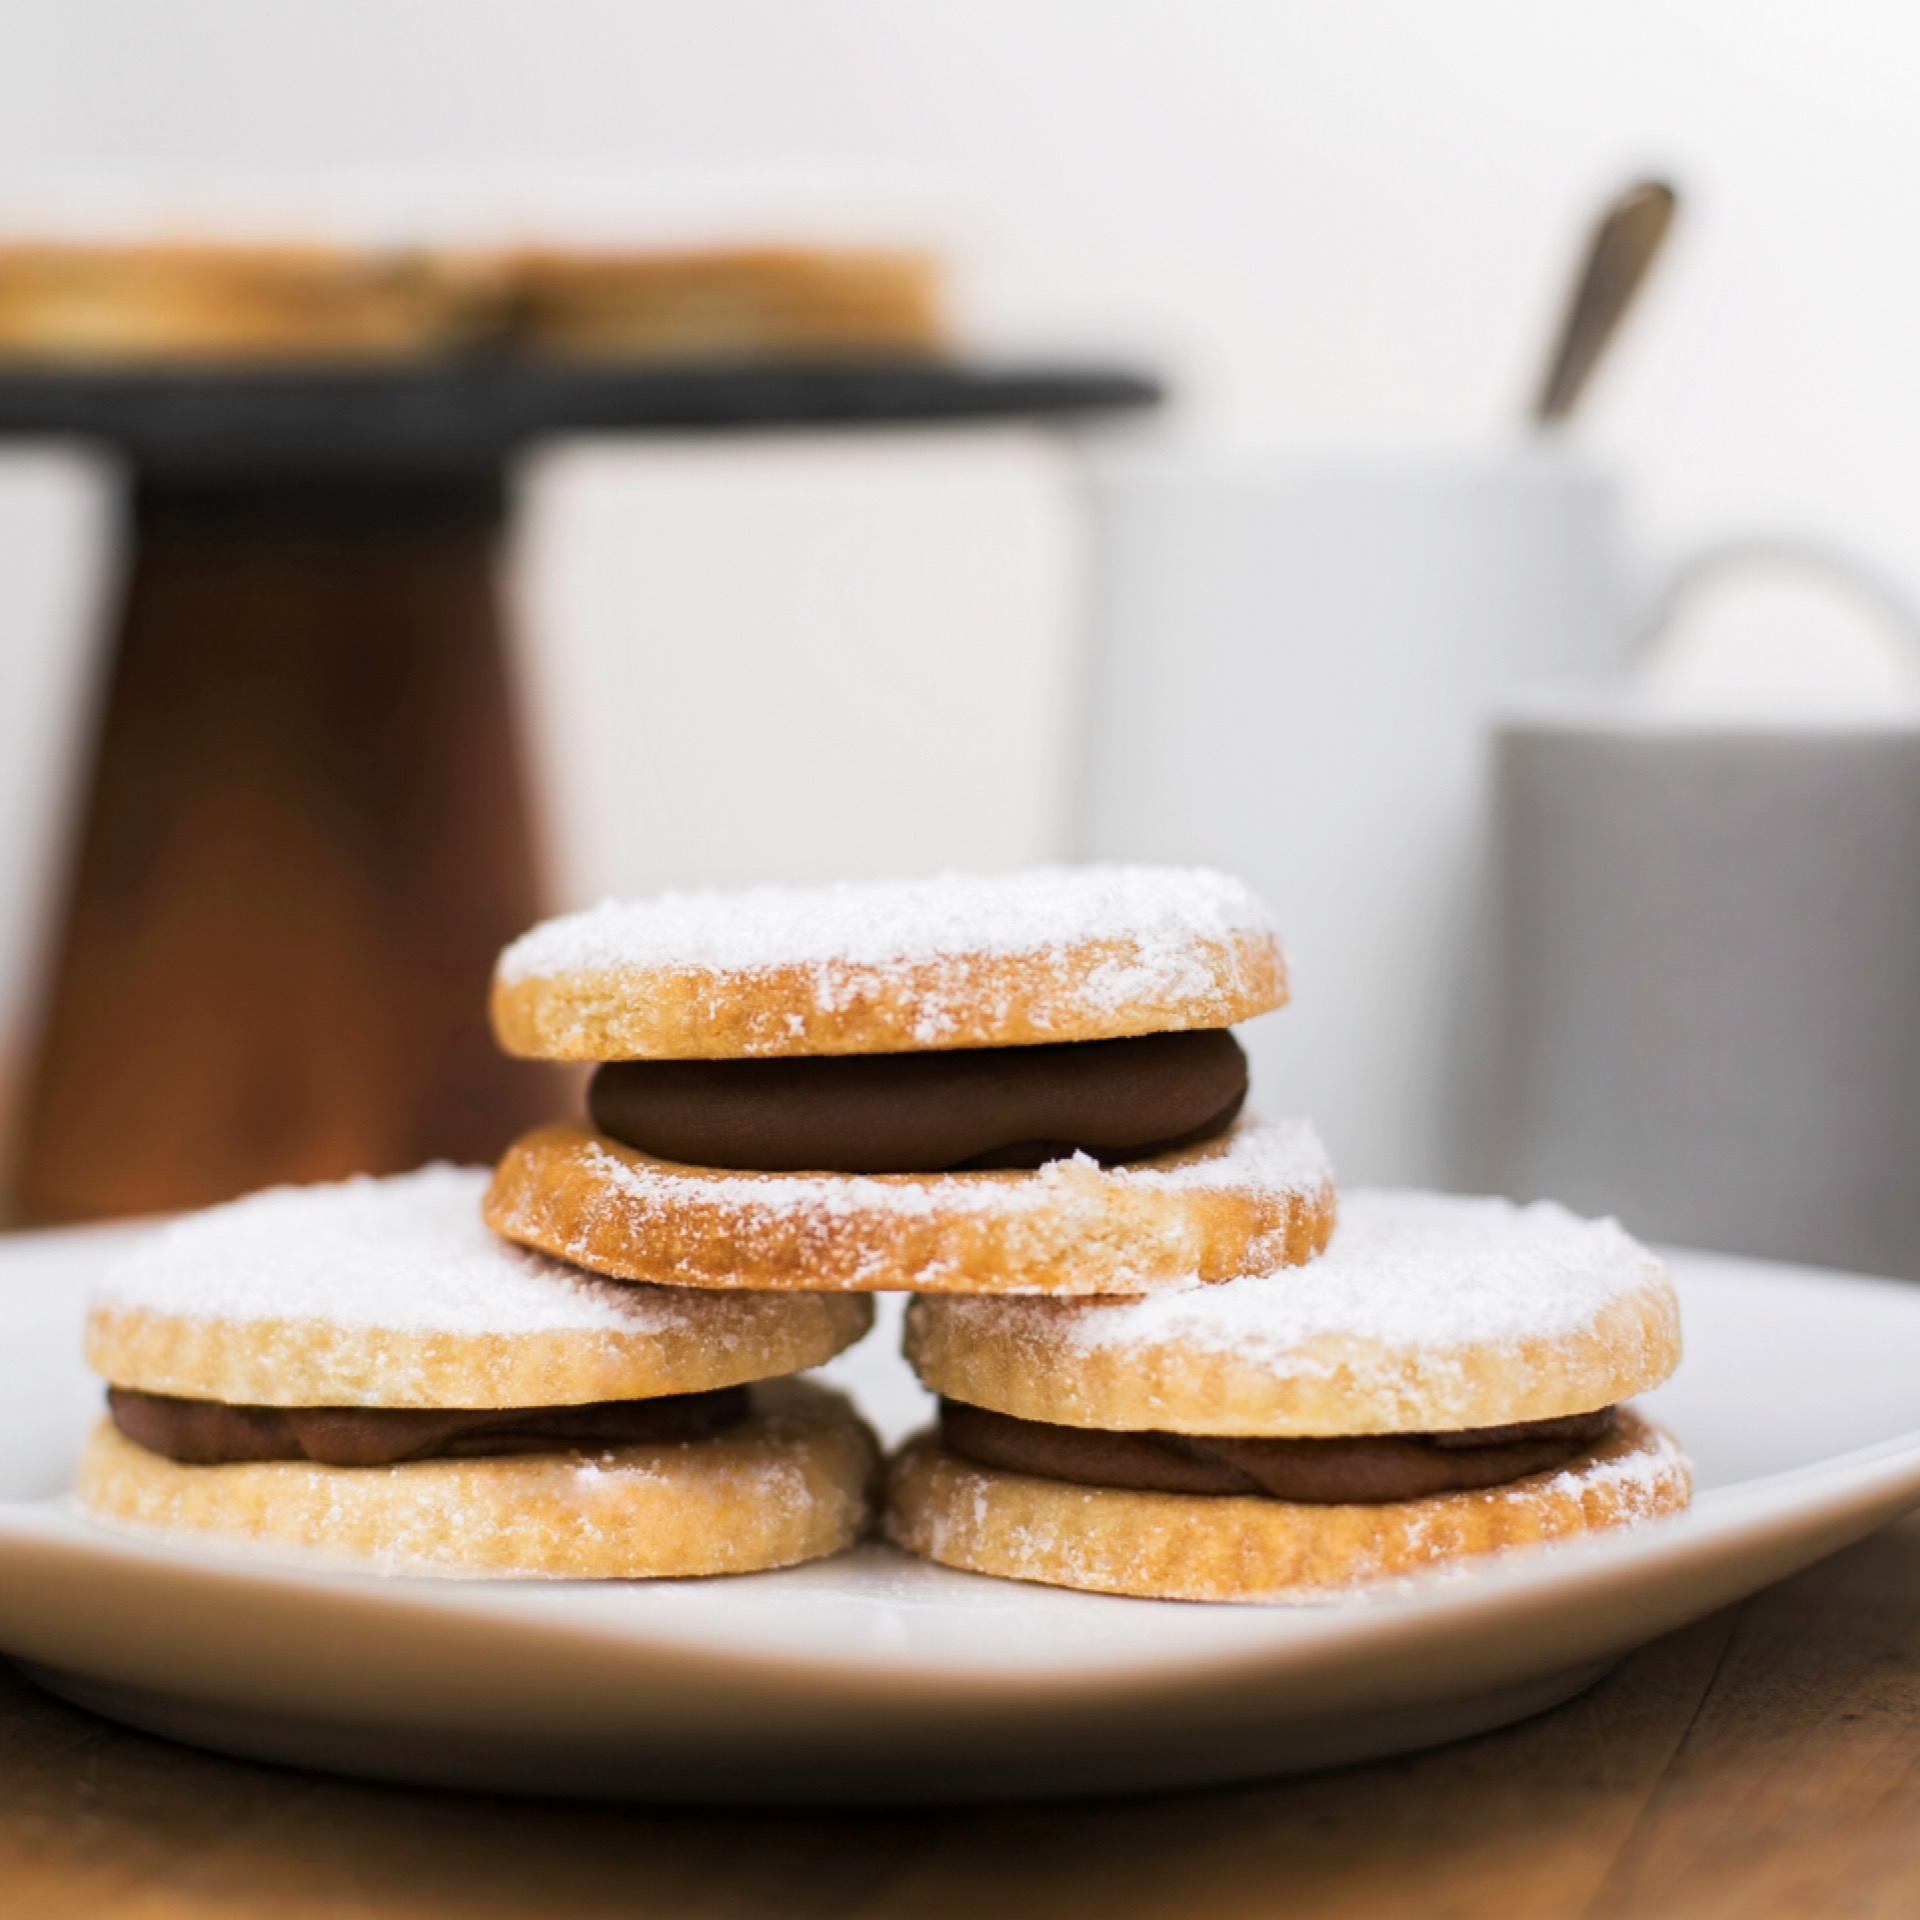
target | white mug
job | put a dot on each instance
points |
(1292, 667)
(1708, 960)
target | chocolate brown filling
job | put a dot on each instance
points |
(1365, 1470)
(928, 1112)
(206, 1433)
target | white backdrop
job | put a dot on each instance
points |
(1335, 224)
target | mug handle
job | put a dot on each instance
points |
(1852, 574)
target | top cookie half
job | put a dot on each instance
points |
(1054, 953)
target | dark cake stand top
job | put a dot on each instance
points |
(452, 415)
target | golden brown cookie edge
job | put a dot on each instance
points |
(957, 1000)
(317, 1363)
(1025, 1362)
(1227, 1548)
(559, 1190)
(669, 1511)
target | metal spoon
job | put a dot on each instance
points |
(1623, 247)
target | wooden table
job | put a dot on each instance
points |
(1764, 1763)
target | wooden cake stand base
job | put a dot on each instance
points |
(307, 835)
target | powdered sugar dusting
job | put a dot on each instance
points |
(1282, 1159)
(1278, 1157)
(1427, 1272)
(408, 1253)
(1158, 911)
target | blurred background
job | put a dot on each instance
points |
(1340, 239)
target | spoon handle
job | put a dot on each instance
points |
(1624, 245)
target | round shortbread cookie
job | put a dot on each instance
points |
(92, 303)
(1176, 1546)
(728, 302)
(1427, 1312)
(792, 1483)
(392, 1293)
(1258, 1198)
(1056, 953)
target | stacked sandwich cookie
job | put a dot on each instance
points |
(1445, 1381)
(365, 1370)
(1018, 1085)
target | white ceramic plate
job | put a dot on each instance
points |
(875, 1677)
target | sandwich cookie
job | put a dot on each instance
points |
(1012, 1084)
(1444, 1382)
(365, 1370)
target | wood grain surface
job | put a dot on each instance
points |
(1765, 1763)
(306, 840)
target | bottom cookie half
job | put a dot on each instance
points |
(1175, 1546)
(792, 1482)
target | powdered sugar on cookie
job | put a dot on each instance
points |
(1406, 1271)
(1279, 1160)
(1020, 959)
(1158, 911)
(1427, 1312)
(408, 1253)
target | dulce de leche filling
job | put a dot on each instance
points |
(211, 1433)
(1366, 1470)
(928, 1112)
